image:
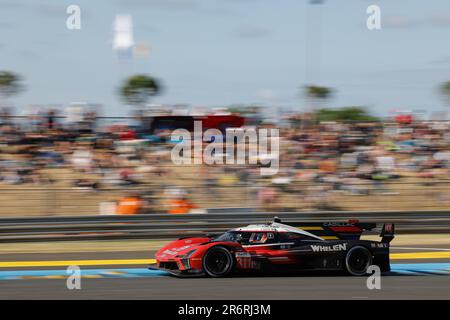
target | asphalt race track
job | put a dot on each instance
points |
(403, 287)
(423, 278)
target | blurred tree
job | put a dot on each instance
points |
(138, 89)
(317, 94)
(344, 114)
(9, 84)
(445, 91)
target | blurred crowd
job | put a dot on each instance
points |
(318, 162)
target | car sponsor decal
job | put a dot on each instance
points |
(337, 224)
(244, 260)
(379, 245)
(336, 247)
(174, 251)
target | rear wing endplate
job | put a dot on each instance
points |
(387, 232)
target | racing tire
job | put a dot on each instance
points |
(218, 262)
(357, 260)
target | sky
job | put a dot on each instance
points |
(221, 52)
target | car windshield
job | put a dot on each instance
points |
(233, 236)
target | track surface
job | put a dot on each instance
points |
(392, 287)
(406, 286)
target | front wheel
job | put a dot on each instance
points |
(218, 262)
(358, 260)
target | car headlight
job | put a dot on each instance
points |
(189, 254)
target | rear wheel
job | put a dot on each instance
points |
(358, 260)
(218, 262)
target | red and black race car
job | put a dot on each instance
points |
(274, 247)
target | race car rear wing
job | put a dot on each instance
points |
(350, 230)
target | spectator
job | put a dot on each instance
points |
(130, 205)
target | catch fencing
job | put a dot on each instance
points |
(166, 226)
